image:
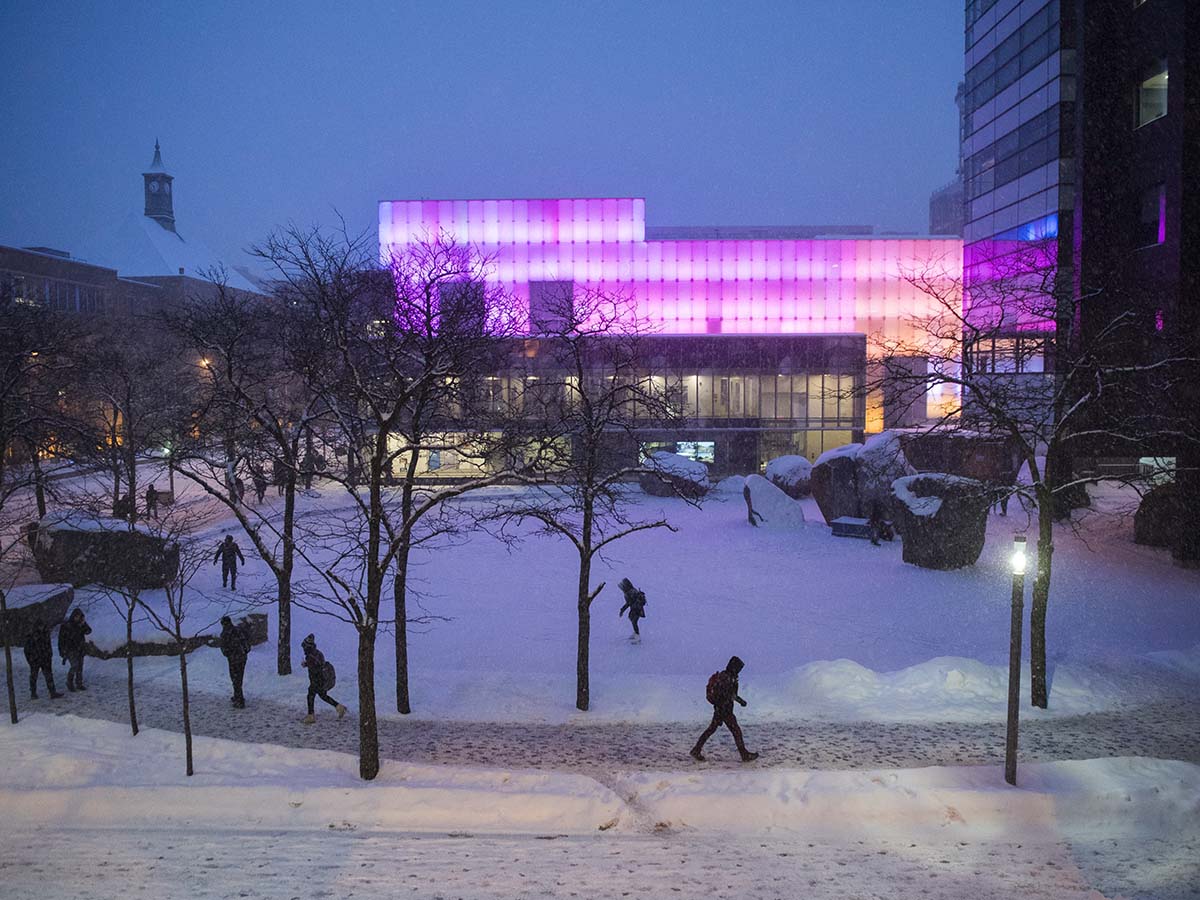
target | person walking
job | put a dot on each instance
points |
(71, 637)
(228, 553)
(152, 502)
(235, 647)
(750, 513)
(259, 477)
(722, 692)
(40, 659)
(635, 602)
(321, 679)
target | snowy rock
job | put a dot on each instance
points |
(33, 603)
(674, 475)
(943, 519)
(791, 474)
(85, 550)
(1158, 515)
(880, 461)
(777, 508)
(731, 485)
(834, 482)
(159, 643)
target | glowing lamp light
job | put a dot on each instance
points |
(1018, 558)
(205, 362)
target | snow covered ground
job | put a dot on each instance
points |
(91, 812)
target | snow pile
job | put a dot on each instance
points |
(846, 450)
(777, 508)
(679, 467)
(89, 773)
(79, 521)
(28, 594)
(1119, 797)
(790, 473)
(731, 485)
(1186, 662)
(918, 506)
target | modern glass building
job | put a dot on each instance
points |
(761, 335)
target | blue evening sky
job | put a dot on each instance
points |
(717, 113)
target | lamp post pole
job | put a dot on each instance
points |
(1014, 658)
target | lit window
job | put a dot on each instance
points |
(1152, 221)
(1152, 96)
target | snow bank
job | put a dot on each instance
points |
(63, 769)
(1186, 662)
(1119, 797)
(777, 508)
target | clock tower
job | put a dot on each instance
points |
(159, 203)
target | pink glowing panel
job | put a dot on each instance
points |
(784, 286)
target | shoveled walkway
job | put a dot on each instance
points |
(1168, 729)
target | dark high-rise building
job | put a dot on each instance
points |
(1082, 138)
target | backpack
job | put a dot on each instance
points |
(714, 688)
(328, 676)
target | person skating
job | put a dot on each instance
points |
(235, 647)
(750, 513)
(71, 637)
(321, 678)
(152, 502)
(40, 658)
(228, 553)
(722, 692)
(635, 602)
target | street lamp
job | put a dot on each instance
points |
(1018, 561)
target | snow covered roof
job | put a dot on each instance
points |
(140, 247)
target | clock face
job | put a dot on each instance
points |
(154, 187)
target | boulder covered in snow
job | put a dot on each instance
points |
(674, 475)
(943, 519)
(33, 603)
(777, 509)
(791, 474)
(254, 626)
(879, 462)
(80, 549)
(1158, 516)
(834, 482)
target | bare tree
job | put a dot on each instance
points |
(584, 394)
(1012, 350)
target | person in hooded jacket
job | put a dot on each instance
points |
(635, 602)
(235, 647)
(71, 637)
(722, 693)
(318, 685)
(40, 658)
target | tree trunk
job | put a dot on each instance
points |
(39, 486)
(187, 710)
(284, 649)
(131, 478)
(1040, 690)
(368, 726)
(8, 664)
(133, 723)
(399, 592)
(582, 682)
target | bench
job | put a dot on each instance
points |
(850, 526)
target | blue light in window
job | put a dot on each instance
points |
(1037, 230)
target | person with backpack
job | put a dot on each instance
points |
(635, 602)
(71, 637)
(722, 692)
(40, 659)
(321, 679)
(235, 647)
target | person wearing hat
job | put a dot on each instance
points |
(235, 646)
(722, 692)
(321, 678)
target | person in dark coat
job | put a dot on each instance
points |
(635, 602)
(750, 513)
(235, 647)
(40, 658)
(71, 637)
(260, 483)
(318, 684)
(279, 473)
(308, 469)
(228, 554)
(722, 692)
(151, 502)
(879, 528)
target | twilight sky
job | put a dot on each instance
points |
(732, 113)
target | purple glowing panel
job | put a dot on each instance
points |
(685, 287)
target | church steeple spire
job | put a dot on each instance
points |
(157, 186)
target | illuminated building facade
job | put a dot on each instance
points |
(765, 331)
